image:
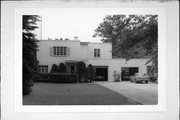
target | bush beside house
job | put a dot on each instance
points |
(82, 71)
(62, 68)
(63, 77)
(58, 74)
(54, 69)
(90, 73)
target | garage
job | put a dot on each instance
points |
(101, 73)
(126, 72)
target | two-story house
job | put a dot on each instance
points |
(98, 54)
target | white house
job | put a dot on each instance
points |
(98, 54)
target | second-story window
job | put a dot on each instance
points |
(96, 52)
(59, 51)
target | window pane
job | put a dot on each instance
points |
(61, 50)
(54, 50)
(64, 50)
(57, 50)
(96, 52)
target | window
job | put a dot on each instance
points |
(59, 51)
(43, 68)
(96, 52)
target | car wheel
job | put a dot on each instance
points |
(146, 82)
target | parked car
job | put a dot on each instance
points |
(125, 76)
(139, 78)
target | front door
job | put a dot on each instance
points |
(72, 69)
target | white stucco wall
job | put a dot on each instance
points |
(105, 50)
(77, 52)
(83, 52)
(43, 55)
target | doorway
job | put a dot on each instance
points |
(101, 73)
(126, 72)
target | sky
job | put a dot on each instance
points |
(68, 23)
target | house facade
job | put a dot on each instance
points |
(98, 54)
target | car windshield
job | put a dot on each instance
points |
(142, 74)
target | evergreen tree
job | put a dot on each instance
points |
(90, 73)
(62, 68)
(29, 51)
(54, 69)
(81, 70)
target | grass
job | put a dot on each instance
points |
(74, 94)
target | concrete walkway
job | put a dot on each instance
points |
(146, 94)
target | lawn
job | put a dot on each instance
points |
(74, 94)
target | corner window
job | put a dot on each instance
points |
(43, 68)
(96, 52)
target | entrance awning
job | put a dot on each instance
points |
(71, 62)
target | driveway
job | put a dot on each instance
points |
(74, 94)
(146, 94)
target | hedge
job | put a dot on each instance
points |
(59, 77)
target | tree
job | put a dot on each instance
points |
(90, 72)
(29, 51)
(66, 39)
(62, 68)
(132, 36)
(54, 69)
(81, 70)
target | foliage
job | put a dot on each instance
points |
(90, 72)
(62, 68)
(132, 36)
(81, 69)
(54, 69)
(29, 51)
(63, 78)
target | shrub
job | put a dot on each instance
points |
(26, 87)
(90, 73)
(63, 77)
(153, 79)
(54, 69)
(81, 70)
(62, 68)
(42, 77)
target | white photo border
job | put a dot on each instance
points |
(161, 106)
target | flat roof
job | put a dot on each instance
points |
(81, 42)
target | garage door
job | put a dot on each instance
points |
(127, 72)
(101, 73)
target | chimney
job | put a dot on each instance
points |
(76, 38)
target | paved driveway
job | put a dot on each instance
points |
(146, 94)
(74, 94)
